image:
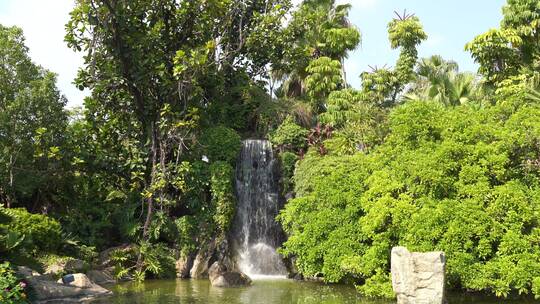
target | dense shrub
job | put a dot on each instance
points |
(187, 230)
(289, 135)
(288, 162)
(41, 233)
(221, 144)
(462, 180)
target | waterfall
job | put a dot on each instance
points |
(256, 234)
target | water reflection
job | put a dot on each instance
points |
(262, 292)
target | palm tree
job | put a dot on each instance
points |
(441, 81)
(319, 28)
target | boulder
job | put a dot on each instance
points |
(220, 277)
(418, 278)
(75, 265)
(77, 280)
(46, 290)
(183, 266)
(100, 277)
(25, 272)
(199, 270)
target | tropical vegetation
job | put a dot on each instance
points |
(422, 155)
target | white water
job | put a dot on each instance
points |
(257, 234)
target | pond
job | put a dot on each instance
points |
(263, 291)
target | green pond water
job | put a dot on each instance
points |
(261, 292)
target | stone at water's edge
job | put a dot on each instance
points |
(71, 288)
(183, 266)
(220, 277)
(418, 278)
(101, 276)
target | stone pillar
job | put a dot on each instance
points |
(418, 278)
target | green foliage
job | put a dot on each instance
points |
(221, 144)
(156, 259)
(324, 76)
(41, 233)
(288, 162)
(441, 81)
(12, 289)
(318, 29)
(32, 124)
(512, 49)
(382, 86)
(187, 230)
(450, 179)
(223, 200)
(358, 124)
(289, 135)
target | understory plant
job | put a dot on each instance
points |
(12, 289)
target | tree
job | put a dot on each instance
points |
(158, 70)
(319, 28)
(32, 125)
(441, 81)
(512, 49)
(382, 86)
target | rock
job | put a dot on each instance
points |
(202, 261)
(25, 272)
(220, 277)
(100, 277)
(55, 269)
(418, 278)
(77, 280)
(48, 291)
(183, 266)
(75, 265)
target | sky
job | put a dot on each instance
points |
(450, 24)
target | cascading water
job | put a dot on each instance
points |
(256, 234)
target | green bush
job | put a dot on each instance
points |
(462, 180)
(221, 144)
(12, 289)
(223, 200)
(187, 230)
(41, 233)
(289, 136)
(288, 162)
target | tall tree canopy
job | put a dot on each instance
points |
(32, 124)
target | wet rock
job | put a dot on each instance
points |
(184, 265)
(202, 262)
(221, 277)
(418, 278)
(100, 277)
(79, 289)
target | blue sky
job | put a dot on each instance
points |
(450, 24)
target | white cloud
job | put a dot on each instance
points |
(43, 25)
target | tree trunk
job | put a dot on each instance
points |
(150, 200)
(11, 165)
